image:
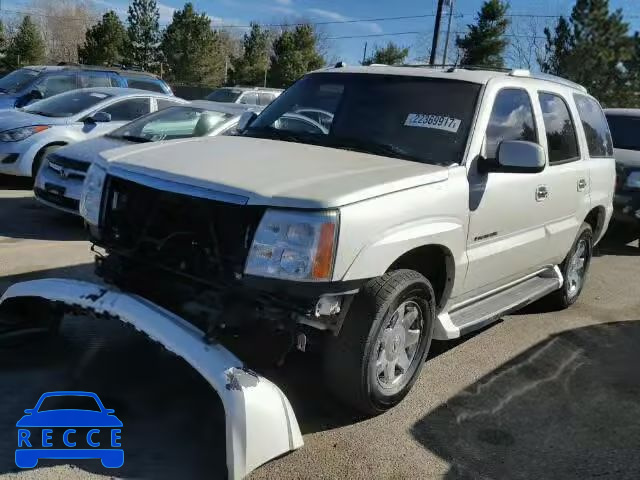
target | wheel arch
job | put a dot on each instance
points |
(596, 219)
(40, 154)
(436, 263)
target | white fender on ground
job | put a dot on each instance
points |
(260, 423)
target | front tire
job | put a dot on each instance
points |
(377, 357)
(574, 269)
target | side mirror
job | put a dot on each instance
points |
(99, 117)
(515, 156)
(246, 119)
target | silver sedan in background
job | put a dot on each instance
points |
(59, 182)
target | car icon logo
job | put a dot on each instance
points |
(89, 431)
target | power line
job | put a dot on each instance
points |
(423, 32)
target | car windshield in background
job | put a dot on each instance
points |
(17, 79)
(66, 104)
(420, 119)
(226, 95)
(624, 130)
(171, 124)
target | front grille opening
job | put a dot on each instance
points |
(201, 238)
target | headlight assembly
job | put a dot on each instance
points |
(18, 134)
(294, 245)
(91, 198)
(633, 180)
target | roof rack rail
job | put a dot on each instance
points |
(549, 78)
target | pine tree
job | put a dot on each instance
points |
(144, 33)
(485, 42)
(594, 49)
(250, 67)
(294, 54)
(105, 42)
(391, 54)
(27, 46)
(192, 50)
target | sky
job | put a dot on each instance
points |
(415, 33)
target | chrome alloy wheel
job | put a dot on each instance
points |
(576, 268)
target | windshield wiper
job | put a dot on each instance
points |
(374, 148)
(131, 138)
(285, 135)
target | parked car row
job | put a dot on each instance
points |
(362, 228)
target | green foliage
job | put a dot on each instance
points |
(3, 39)
(391, 54)
(105, 42)
(485, 42)
(144, 33)
(192, 51)
(295, 53)
(594, 49)
(249, 68)
(27, 46)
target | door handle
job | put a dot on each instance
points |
(582, 184)
(542, 193)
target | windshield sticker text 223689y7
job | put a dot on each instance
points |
(439, 122)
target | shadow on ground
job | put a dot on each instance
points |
(22, 217)
(619, 240)
(10, 182)
(566, 408)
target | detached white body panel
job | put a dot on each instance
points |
(260, 423)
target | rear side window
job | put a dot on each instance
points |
(625, 131)
(595, 126)
(58, 83)
(94, 79)
(511, 119)
(129, 109)
(143, 84)
(561, 133)
(266, 98)
(249, 99)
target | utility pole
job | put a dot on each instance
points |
(436, 33)
(446, 43)
(364, 54)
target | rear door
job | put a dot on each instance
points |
(122, 111)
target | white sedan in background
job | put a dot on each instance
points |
(28, 134)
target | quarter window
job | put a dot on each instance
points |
(595, 127)
(562, 142)
(511, 119)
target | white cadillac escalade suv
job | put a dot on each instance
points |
(364, 213)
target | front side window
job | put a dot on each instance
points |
(511, 119)
(595, 126)
(94, 79)
(626, 131)
(171, 124)
(128, 109)
(17, 80)
(52, 85)
(67, 104)
(419, 119)
(561, 133)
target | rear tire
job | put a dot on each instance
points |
(377, 357)
(574, 268)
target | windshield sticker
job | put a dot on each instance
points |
(98, 95)
(439, 122)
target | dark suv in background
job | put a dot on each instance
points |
(28, 84)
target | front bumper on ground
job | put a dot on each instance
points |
(260, 423)
(626, 207)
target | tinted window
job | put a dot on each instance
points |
(511, 119)
(625, 131)
(413, 118)
(172, 123)
(91, 79)
(144, 84)
(129, 109)
(266, 98)
(162, 104)
(17, 80)
(228, 95)
(249, 99)
(55, 84)
(67, 104)
(595, 127)
(561, 133)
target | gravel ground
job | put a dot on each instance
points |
(538, 395)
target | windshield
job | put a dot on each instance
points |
(624, 131)
(69, 402)
(227, 95)
(17, 80)
(420, 119)
(172, 123)
(67, 104)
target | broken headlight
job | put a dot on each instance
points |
(91, 198)
(294, 245)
